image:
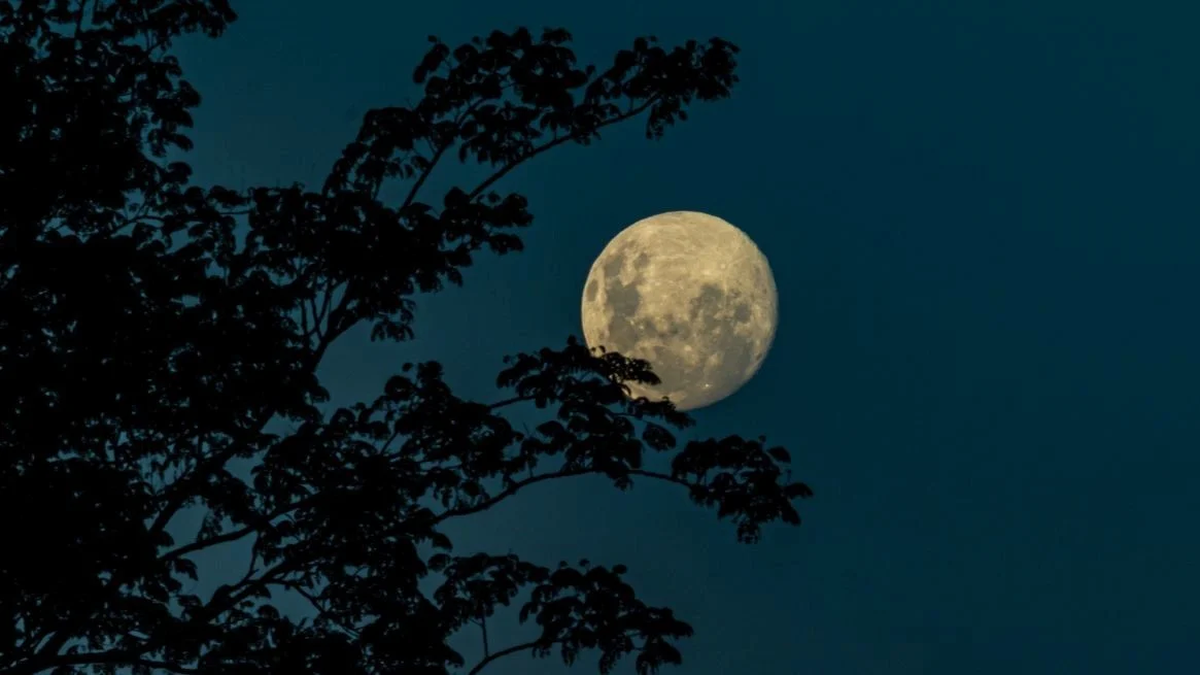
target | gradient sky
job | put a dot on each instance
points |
(983, 222)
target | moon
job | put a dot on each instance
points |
(691, 294)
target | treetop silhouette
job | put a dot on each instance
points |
(145, 345)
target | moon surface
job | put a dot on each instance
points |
(691, 294)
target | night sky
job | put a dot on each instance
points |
(983, 223)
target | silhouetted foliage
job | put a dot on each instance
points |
(145, 344)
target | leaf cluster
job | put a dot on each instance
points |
(152, 331)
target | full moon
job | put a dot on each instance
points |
(691, 294)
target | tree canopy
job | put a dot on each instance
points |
(151, 330)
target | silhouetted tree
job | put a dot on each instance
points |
(145, 344)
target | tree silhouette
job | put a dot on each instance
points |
(145, 345)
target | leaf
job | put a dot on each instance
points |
(185, 567)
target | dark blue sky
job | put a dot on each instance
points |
(983, 222)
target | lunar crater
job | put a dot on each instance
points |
(690, 293)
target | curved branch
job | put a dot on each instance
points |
(519, 485)
(201, 544)
(443, 146)
(234, 535)
(633, 112)
(504, 652)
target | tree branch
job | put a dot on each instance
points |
(443, 146)
(163, 666)
(502, 653)
(201, 544)
(558, 141)
(218, 460)
(243, 588)
(116, 657)
(79, 19)
(509, 401)
(519, 485)
(304, 319)
(412, 193)
(483, 627)
(333, 332)
(315, 602)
